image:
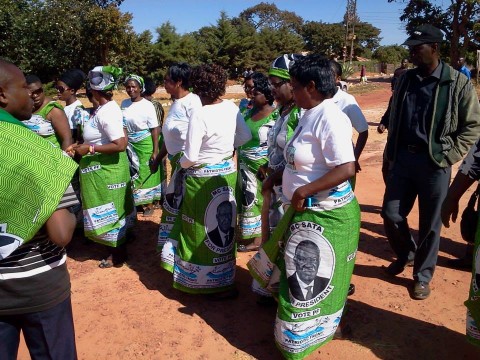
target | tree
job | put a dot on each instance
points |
(456, 19)
(265, 15)
(322, 38)
(392, 54)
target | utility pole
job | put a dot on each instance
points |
(350, 20)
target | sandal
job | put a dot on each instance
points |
(247, 248)
(148, 212)
(105, 264)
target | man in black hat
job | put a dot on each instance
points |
(434, 120)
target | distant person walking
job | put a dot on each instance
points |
(463, 68)
(363, 75)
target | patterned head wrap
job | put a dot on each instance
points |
(281, 65)
(104, 78)
(138, 79)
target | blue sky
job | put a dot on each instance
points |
(191, 15)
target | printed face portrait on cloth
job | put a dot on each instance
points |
(249, 187)
(309, 260)
(476, 279)
(220, 218)
(175, 189)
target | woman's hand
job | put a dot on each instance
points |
(81, 149)
(70, 150)
(153, 163)
(298, 199)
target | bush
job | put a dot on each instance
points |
(347, 71)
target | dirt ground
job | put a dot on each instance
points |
(133, 313)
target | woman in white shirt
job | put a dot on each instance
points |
(107, 200)
(67, 86)
(320, 242)
(175, 126)
(143, 132)
(205, 225)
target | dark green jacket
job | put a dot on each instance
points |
(455, 122)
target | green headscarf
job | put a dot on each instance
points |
(104, 78)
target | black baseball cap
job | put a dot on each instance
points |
(424, 34)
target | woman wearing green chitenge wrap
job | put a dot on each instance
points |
(317, 257)
(205, 224)
(143, 133)
(177, 84)
(107, 200)
(468, 173)
(48, 119)
(279, 134)
(251, 156)
(150, 89)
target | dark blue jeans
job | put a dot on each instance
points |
(415, 175)
(48, 334)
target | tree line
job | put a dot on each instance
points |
(46, 37)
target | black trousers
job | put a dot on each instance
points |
(415, 175)
(48, 334)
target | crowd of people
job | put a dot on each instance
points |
(274, 176)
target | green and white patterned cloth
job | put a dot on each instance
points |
(40, 125)
(171, 204)
(107, 199)
(204, 230)
(38, 175)
(146, 185)
(473, 302)
(307, 317)
(251, 156)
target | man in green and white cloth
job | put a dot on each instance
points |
(35, 226)
(143, 132)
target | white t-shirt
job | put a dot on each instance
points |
(213, 132)
(349, 106)
(175, 126)
(322, 141)
(139, 115)
(69, 110)
(105, 125)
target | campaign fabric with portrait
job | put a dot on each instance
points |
(251, 156)
(204, 258)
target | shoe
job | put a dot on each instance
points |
(462, 263)
(421, 290)
(395, 268)
(105, 264)
(351, 290)
(247, 248)
(148, 212)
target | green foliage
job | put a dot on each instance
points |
(456, 18)
(47, 37)
(347, 71)
(392, 54)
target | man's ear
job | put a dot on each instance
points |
(311, 86)
(3, 97)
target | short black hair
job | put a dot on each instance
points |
(150, 86)
(31, 78)
(180, 72)
(336, 68)
(315, 68)
(260, 83)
